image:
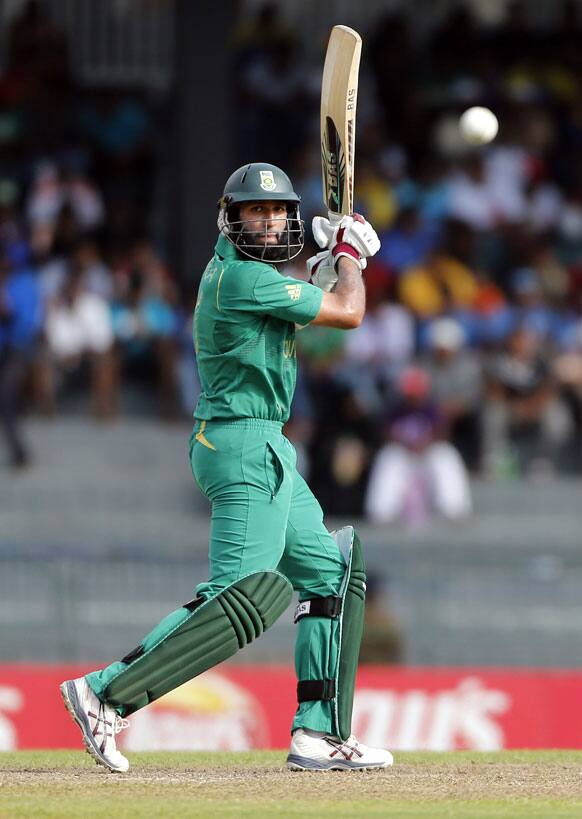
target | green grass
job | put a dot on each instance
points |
(459, 785)
(171, 760)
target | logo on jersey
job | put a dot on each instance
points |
(294, 291)
(267, 181)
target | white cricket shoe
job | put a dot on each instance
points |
(99, 723)
(313, 751)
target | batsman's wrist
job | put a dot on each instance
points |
(360, 263)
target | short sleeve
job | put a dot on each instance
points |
(260, 289)
(286, 298)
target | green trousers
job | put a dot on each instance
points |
(264, 516)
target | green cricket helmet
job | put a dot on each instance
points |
(260, 181)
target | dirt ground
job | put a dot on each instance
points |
(470, 780)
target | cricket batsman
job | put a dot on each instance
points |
(267, 536)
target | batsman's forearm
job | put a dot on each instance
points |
(350, 288)
(344, 306)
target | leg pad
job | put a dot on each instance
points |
(337, 682)
(188, 642)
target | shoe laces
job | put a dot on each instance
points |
(347, 748)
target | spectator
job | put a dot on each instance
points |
(408, 241)
(374, 196)
(20, 324)
(338, 451)
(524, 415)
(456, 374)
(82, 193)
(97, 276)
(46, 196)
(53, 193)
(444, 282)
(79, 329)
(416, 471)
(381, 346)
(146, 324)
(489, 192)
(470, 198)
(544, 206)
(85, 254)
(491, 319)
(530, 310)
(144, 262)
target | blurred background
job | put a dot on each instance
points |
(448, 427)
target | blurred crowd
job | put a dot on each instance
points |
(469, 359)
(87, 303)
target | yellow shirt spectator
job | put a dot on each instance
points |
(375, 198)
(441, 283)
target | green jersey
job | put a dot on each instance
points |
(244, 335)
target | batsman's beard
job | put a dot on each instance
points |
(255, 244)
(267, 250)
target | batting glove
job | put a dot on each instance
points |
(322, 269)
(351, 236)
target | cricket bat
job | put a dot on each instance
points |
(339, 92)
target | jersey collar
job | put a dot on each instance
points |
(226, 250)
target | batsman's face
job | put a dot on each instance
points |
(264, 221)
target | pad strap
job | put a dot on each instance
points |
(308, 690)
(318, 607)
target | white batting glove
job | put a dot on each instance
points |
(323, 230)
(351, 233)
(322, 269)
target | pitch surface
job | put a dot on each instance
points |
(505, 785)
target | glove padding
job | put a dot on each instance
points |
(322, 272)
(351, 230)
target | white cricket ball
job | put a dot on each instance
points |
(478, 125)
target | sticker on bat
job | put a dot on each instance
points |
(334, 164)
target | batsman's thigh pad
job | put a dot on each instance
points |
(196, 637)
(347, 609)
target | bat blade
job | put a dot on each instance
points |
(339, 94)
